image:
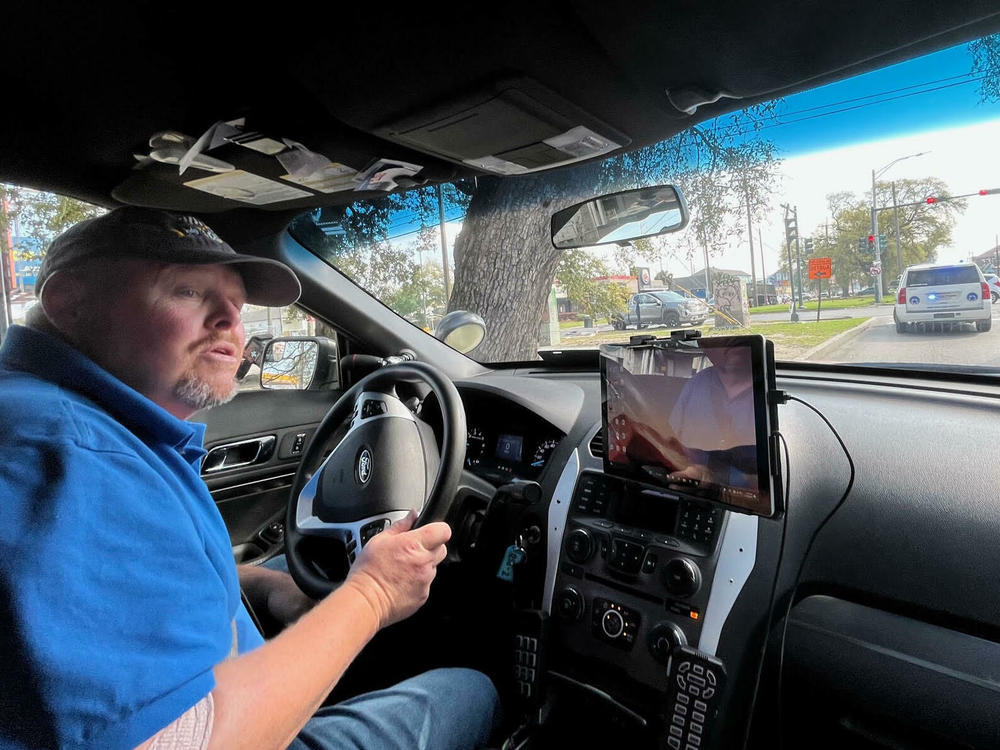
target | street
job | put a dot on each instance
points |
(880, 343)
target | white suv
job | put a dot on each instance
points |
(951, 293)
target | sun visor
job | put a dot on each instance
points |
(515, 127)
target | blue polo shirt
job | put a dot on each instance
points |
(119, 589)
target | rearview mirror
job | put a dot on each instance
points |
(300, 363)
(620, 217)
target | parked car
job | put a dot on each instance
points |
(936, 294)
(661, 307)
(994, 281)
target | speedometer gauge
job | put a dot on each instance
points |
(475, 446)
(542, 452)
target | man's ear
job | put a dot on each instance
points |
(62, 298)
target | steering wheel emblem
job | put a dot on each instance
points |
(364, 467)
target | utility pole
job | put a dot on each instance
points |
(444, 247)
(877, 263)
(5, 252)
(753, 270)
(708, 275)
(798, 254)
(895, 214)
(763, 273)
(877, 255)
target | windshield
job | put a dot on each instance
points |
(805, 213)
(942, 275)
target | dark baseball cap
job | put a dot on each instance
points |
(152, 234)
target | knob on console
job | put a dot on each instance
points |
(663, 638)
(613, 624)
(579, 545)
(681, 577)
(569, 604)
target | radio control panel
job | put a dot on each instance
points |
(635, 573)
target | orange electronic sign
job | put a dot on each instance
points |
(820, 268)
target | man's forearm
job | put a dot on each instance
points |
(270, 693)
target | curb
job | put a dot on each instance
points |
(838, 339)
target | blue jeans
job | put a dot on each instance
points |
(443, 709)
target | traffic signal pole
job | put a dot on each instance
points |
(878, 258)
(798, 254)
(791, 230)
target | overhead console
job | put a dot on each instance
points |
(516, 126)
(660, 535)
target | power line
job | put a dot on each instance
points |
(985, 73)
(737, 129)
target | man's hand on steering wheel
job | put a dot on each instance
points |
(388, 463)
(395, 570)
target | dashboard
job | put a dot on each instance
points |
(506, 441)
(632, 578)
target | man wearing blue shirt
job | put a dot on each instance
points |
(122, 611)
(714, 420)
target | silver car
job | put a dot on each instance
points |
(661, 307)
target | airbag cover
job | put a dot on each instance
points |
(378, 467)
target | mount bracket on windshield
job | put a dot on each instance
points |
(676, 338)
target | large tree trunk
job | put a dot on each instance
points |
(504, 259)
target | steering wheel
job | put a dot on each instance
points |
(387, 463)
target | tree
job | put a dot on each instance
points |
(578, 271)
(508, 223)
(39, 218)
(420, 299)
(986, 65)
(923, 227)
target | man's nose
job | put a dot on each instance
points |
(225, 315)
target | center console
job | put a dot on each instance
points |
(635, 574)
(654, 529)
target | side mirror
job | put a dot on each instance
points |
(620, 217)
(252, 354)
(461, 330)
(300, 363)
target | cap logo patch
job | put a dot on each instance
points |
(189, 226)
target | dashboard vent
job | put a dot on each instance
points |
(597, 444)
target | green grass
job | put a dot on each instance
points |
(791, 340)
(828, 304)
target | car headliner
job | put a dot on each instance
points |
(89, 85)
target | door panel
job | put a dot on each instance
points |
(251, 486)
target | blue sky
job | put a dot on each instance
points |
(928, 93)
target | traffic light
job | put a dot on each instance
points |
(808, 245)
(871, 245)
(883, 244)
(991, 191)
(791, 228)
(932, 199)
(863, 246)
